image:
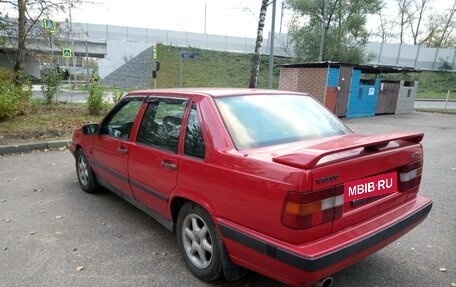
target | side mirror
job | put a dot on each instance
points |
(90, 129)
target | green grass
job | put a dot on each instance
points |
(211, 68)
(44, 122)
(435, 85)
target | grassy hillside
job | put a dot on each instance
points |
(211, 68)
(436, 85)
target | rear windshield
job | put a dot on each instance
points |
(263, 120)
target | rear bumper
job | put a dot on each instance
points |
(303, 264)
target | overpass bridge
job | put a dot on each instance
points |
(39, 53)
(42, 48)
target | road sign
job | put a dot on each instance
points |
(49, 25)
(186, 55)
(67, 53)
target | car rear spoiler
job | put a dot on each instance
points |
(309, 157)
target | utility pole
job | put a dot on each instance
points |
(271, 48)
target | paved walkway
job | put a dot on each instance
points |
(432, 104)
(67, 95)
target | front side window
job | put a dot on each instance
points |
(161, 123)
(264, 120)
(120, 122)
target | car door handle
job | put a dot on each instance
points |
(168, 165)
(122, 150)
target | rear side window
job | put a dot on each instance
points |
(194, 142)
(161, 123)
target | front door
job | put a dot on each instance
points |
(112, 145)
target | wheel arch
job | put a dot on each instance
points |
(74, 149)
(231, 271)
(177, 202)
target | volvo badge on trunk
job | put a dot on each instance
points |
(327, 179)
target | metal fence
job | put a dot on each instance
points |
(177, 38)
(404, 55)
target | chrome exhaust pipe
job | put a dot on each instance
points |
(327, 282)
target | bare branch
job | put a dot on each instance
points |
(447, 24)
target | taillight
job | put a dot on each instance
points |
(410, 175)
(305, 209)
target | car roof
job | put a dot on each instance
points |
(211, 92)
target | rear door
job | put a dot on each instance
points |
(112, 145)
(154, 156)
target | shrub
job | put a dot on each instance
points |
(444, 65)
(117, 95)
(52, 83)
(95, 103)
(14, 99)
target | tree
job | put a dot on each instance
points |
(440, 28)
(345, 28)
(385, 28)
(403, 7)
(29, 14)
(259, 40)
(2, 28)
(415, 17)
(448, 27)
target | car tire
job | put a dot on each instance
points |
(199, 243)
(86, 178)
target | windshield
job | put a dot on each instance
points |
(263, 120)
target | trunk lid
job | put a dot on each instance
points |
(339, 161)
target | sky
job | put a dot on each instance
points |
(222, 17)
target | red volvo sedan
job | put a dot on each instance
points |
(264, 180)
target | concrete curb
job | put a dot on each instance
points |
(29, 147)
(433, 100)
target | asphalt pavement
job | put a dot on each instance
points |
(53, 234)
